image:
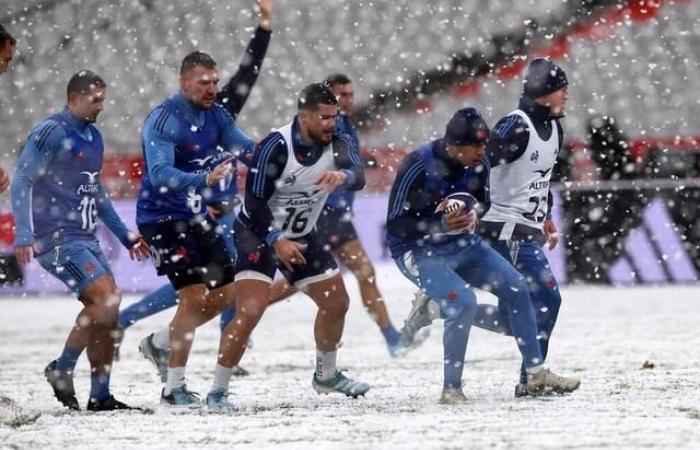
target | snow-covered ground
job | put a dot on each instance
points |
(604, 336)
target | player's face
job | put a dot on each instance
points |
(318, 125)
(556, 101)
(200, 86)
(87, 107)
(467, 155)
(5, 57)
(346, 98)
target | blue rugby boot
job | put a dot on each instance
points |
(180, 396)
(418, 318)
(340, 384)
(158, 357)
(217, 400)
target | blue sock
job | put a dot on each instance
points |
(227, 316)
(154, 302)
(391, 334)
(99, 386)
(68, 359)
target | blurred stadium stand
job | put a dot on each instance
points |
(413, 64)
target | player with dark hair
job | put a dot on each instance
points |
(439, 252)
(221, 205)
(335, 229)
(190, 145)
(294, 170)
(58, 180)
(523, 153)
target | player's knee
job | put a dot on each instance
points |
(250, 311)
(459, 304)
(336, 306)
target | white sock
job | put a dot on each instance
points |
(222, 377)
(534, 370)
(161, 339)
(325, 365)
(176, 378)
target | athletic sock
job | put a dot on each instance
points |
(391, 334)
(154, 302)
(227, 316)
(161, 339)
(68, 359)
(175, 379)
(325, 365)
(222, 378)
(99, 386)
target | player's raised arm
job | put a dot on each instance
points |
(235, 93)
(36, 155)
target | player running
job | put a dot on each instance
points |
(439, 252)
(190, 145)
(57, 189)
(224, 198)
(336, 230)
(294, 170)
(519, 223)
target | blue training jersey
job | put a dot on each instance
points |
(342, 199)
(59, 170)
(181, 144)
(425, 177)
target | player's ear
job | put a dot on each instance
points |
(73, 97)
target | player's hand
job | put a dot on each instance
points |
(458, 221)
(140, 250)
(289, 252)
(4, 180)
(213, 212)
(331, 179)
(219, 173)
(24, 254)
(550, 232)
(265, 8)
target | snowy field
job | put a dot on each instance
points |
(604, 336)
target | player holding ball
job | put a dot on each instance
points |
(430, 223)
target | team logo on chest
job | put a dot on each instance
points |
(91, 186)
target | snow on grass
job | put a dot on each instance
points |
(604, 336)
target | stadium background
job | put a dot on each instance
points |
(412, 65)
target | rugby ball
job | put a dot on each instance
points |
(459, 201)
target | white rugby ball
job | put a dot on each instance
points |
(456, 201)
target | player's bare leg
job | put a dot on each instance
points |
(332, 300)
(196, 307)
(251, 302)
(281, 290)
(354, 257)
(95, 329)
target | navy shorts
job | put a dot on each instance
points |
(190, 252)
(77, 264)
(335, 228)
(257, 261)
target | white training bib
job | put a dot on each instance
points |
(519, 189)
(297, 202)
